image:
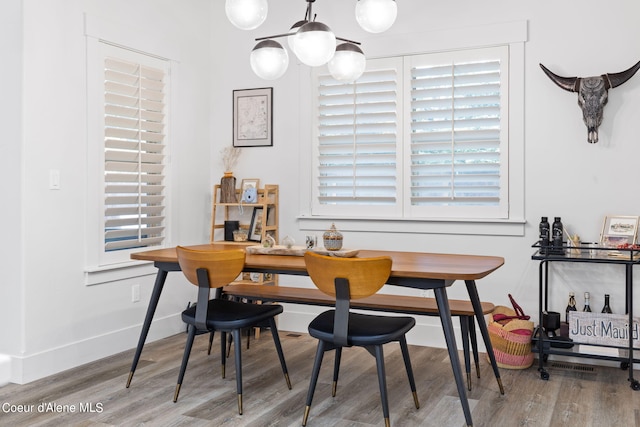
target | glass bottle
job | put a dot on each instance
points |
(587, 307)
(606, 308)
(571, 306)
(545, 232)
(556, 233)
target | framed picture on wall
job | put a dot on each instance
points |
(253, 117)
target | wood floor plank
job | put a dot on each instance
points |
(595, 396)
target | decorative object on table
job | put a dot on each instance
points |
(298, 251)
(313, 42)
(288, 242)
(619, 230)
(311, 241)
(510, 334)
(255, 229)
(230, 156)
(249, 189)
(253, 117)
(332, 239)
(571, 306)
(587, 304)
(592, 94)
(229, 228)
(268, 241)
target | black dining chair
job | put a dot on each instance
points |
(347, 279)
(215, 269)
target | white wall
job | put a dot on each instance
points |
(52, 320)
(564, 175)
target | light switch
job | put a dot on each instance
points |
(54, 179)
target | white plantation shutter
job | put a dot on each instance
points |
(357, 158)
(458, 137)
(134, 159)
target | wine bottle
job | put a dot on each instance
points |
(557, 231)
(545, 232)
(587, 307)
(606, 308)
(571, 306)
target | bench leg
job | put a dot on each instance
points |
(477, 308)
(464, 326)
(474, 344)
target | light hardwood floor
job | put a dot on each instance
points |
(574, 395)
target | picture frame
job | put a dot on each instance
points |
(255, 229)
(249, 183)
(253, 117)
(619, 229)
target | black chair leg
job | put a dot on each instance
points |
(336, 371)
(464, 326)
(185, 359)
(223, 348)
(407, 364)
(210, 343)
(382, 381)
(237, 347)
(276, 341)
(317, 363)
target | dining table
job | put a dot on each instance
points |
(418, 270)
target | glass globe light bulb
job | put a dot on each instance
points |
(376, 16)
(292, 31)
(269, 60)
(348, 63)
(246, 14)
(314, 44)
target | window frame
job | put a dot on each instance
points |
(98, 259)
(515, 35)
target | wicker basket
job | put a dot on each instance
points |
(512, 341)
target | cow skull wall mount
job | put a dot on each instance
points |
(592, 94)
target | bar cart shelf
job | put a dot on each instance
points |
(546, 255)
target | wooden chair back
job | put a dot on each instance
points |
(222, 266)
(365, 275)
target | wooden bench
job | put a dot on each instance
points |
(380, 302)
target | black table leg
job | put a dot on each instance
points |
(447, 326)
(477, 308)
(151, 309)
(464, 327)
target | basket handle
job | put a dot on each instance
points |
(519, 312)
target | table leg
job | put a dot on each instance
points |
(482, 324)
(464, 327)
(151, 309)
(447, 326)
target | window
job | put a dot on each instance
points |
(420, 136)
(128, 146)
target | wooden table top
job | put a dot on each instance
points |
(413, 265)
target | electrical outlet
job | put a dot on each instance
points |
(425, 293)
(135, 293)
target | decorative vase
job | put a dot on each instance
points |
(228, 188)
(332, 239)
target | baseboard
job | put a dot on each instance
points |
(25, 369)
(5, 369)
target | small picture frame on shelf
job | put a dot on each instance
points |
(255, 229)
(250, 183)
(618, 230)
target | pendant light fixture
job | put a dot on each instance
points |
(246, 14)
(376, 16)
(312, 42)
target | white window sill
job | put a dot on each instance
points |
(115, 272)
(463, 227)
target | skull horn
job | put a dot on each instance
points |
(568, 83)
(616, 79)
